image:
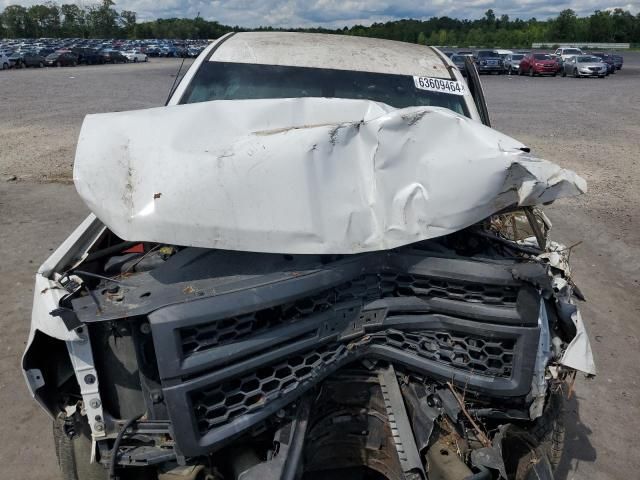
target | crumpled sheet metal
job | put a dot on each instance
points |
(578, 354)
(303, 175)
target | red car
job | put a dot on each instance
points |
(539, 64)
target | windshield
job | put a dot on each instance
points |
(517, 57)
(486, 53)
(571, 51)
(588, 59)
(242, 81)
(541, 56)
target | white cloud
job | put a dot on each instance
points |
(338, 13)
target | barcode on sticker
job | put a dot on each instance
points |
(439, 85)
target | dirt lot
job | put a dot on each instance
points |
(589, 125)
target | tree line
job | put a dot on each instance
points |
(102, 20)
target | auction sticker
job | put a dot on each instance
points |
(439, 85)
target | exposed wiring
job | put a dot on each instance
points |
(116, 446)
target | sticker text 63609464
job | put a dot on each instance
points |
(439, 85)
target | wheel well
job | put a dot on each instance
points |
(50, 356)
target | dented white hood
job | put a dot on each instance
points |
(304, 175)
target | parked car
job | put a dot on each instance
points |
(608, 59)
(394, 317)
(4, 62)
(33, 59)
(45, 51)
(538, 64)
(135, 56)
(488, 61)
(565, 52)
(512, 62)
(584, 66)
(88, 56)
(502, 53)
(16, 60)
(459, 61)
(61, 59)
(618, 61)
(193, 52)
(113, 56)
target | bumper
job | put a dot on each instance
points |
(589, 73)
(490, 68)
(546, 70)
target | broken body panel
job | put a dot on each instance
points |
(305, 288)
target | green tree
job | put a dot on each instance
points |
(564, 27)
(44, 19)
(102, 19)
(600, 26)
(128, 22)
(73, 20)
(490, 18)
(15, 20)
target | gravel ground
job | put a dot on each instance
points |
(589, 125)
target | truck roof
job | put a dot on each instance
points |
(340, 52)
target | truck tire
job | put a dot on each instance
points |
(549, 428)
(72, 438)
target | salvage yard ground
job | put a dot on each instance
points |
(589, 125)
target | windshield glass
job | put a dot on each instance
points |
(486, 53)
(571, 51)
(588, 59)
(517, 57)
(541, 56)
(242, 81)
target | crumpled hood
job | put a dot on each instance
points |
(303, 175)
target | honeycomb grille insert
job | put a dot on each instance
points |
(366, 288)
(220, 332)
(491, 357)
(226, 401)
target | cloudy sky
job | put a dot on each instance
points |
(338, 13)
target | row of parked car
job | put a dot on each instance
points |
(69, 57)
(43, 52)
(564, 61)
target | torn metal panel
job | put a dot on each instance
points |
(304, 175)
(578, 354)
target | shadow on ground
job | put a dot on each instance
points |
(577, 445)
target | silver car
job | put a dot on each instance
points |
(584, 66)
(512, 62)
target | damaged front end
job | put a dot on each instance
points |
(413, 321)
(444, 359)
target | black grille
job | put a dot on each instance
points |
(403, 285)
(222, 403)
(366, 288)
(492, 357)
(229, 330)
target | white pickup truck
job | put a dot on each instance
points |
(564, 53)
